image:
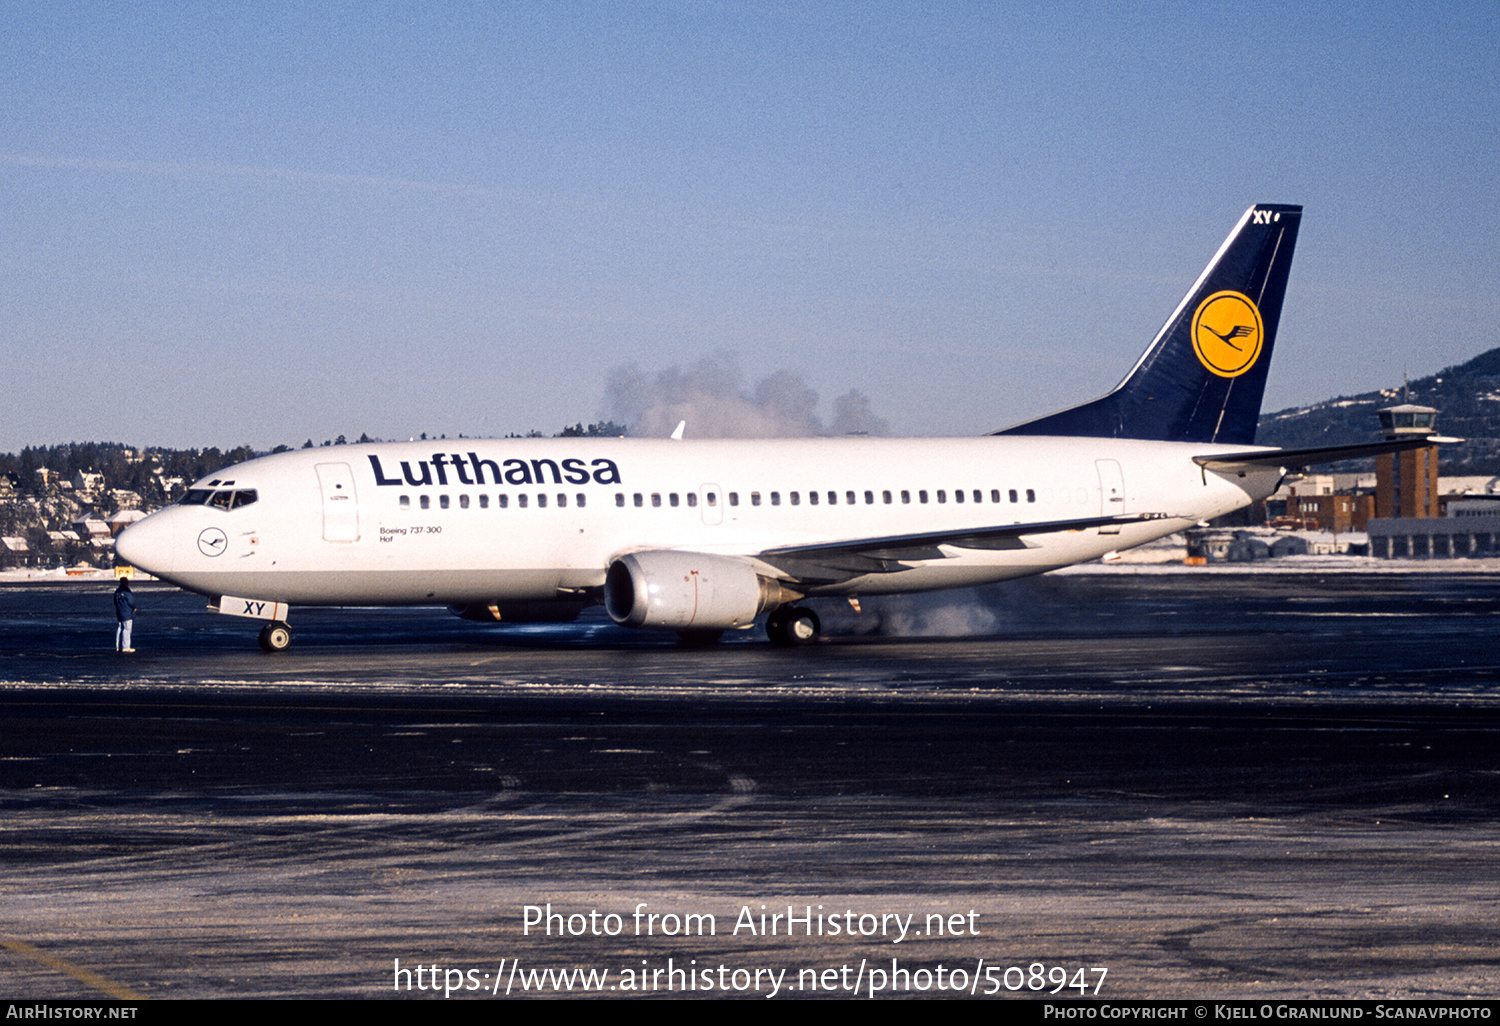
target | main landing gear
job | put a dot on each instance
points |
(793, 625)
(275, 637)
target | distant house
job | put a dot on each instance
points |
(91, 529)
(87, 482)
(124, 519)
(15, 551)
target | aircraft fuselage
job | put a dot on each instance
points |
(481, 521)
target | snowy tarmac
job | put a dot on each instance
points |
(1210, 785)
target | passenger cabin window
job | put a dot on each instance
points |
(580, 500)
(905, 497)
(1030, 495)
(463, 501)
(849, 498)
(619, 498)
(755, 498)
(692, 499)
(885, 497)
(405, 502)
(425, 501)
(776, 498)
(484, 502)
(442, 502)
(521, 500)
(503, 500)
(541, 501)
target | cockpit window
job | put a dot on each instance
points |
(224, 498)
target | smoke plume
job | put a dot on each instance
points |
(711, 396)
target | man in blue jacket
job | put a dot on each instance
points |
(125, 614)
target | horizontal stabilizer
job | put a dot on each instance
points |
(1307, 457)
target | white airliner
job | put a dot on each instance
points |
(699, 537)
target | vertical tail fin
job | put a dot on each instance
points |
(1204, 374)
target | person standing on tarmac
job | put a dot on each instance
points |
(125, 614)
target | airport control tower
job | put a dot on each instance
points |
(1406, 483)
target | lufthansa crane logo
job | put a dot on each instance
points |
(1227, 333)
(212, 541)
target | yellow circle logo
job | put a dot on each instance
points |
(1227, 333)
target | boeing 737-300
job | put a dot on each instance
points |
(699, 537)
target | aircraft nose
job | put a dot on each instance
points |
(147, 545)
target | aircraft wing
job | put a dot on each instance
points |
(832, 562)
(1306, 457)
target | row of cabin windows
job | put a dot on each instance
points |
(851, 498)
(502, 501)
(673, 499)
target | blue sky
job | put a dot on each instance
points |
(244, 223)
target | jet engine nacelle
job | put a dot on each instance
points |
(687, 591)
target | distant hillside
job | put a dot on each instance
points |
(1467, 398)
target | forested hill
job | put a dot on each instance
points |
(1467, 398)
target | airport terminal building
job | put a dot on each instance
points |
(1451, 537)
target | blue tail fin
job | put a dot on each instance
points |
(1203, 376)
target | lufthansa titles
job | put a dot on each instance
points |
(472, 470)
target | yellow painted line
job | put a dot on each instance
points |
(78, 973)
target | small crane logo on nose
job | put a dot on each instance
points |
(212, 541)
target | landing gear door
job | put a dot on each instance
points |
(340, 507)
(1112, 492)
